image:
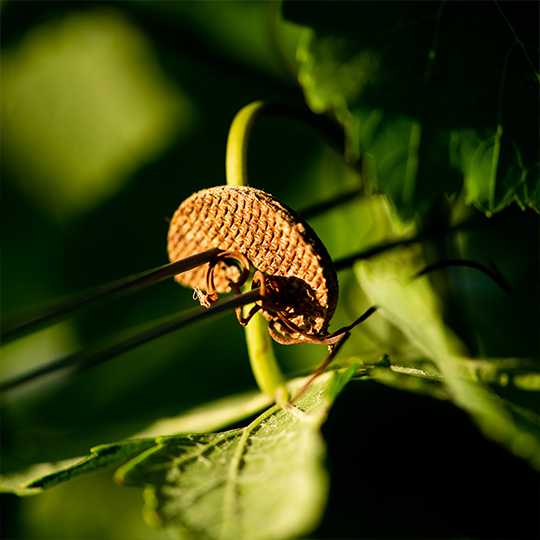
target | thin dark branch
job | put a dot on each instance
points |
(11, 331)
(95, 356)
(98, 355)
(349, 260)
(129, 283)
(492, 272)
(16, 329)
(323, 206)
(366, 315)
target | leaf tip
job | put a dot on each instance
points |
(150, 514)
(119, 477)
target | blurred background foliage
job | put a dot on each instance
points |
(111, 114)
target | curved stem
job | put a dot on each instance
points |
(237, 143)
(492, 272)
(240, 130)
(259, 344)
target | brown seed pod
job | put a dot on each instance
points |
(301, 282)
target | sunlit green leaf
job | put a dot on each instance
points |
(225, 485)
(292, 439)
(208, 417)
(47, 475)
(18, 483)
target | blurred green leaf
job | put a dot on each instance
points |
(225, 485)
(472, 384)
(494, 172)
(210, 416)
(18, 483)
(89, 507)
(84, 104)
(46, 475)
(251, 33)
(392, 74)
(22, 355)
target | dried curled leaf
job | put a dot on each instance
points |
(273, 237)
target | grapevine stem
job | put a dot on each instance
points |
(237, 143)
(131, 283)
(260, 350)
(98, 355)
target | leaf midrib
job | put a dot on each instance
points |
(230, 495)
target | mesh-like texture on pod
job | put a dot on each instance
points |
(273, 237)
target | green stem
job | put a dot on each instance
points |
(263, 360)
(261, 354)
(237, 143)
(494, 166)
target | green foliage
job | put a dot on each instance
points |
(93, 62)
(432, 105)
(222, 485)
(210, 416)
(225, 485)
(47, 475)
(414, 308)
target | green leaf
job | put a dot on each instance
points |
(493, 170)
(214, 415)
(210, 416)
(413, 375)
(103, 109)
(224, 485)
(18, 483)
(246, 33)
(220, 485)
(490, 390)
(46, 475)
(392, 74)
